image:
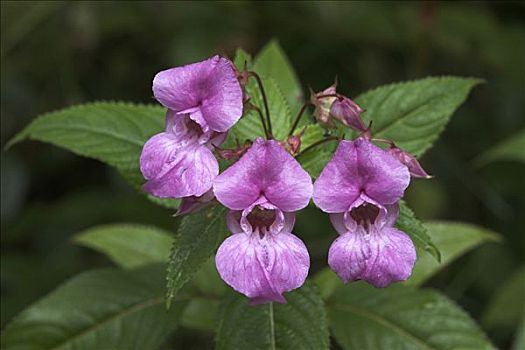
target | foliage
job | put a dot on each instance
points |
(512, 149)
(414, 113)
(198, 237)
(453, 240)
(399, 317)
(127, 245)
(299, 324)
(98, 309)
(112, 132)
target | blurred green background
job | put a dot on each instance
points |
(56, 54)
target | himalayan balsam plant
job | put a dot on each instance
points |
(236, 151)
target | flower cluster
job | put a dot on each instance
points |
(360, 187)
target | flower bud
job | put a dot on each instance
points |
(415, 169)
(348, 112)
(323, 102)
(329, 104)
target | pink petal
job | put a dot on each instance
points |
(339, 184)
(263, 268)
(159, 154)
(174, 171)
(284, 221)
(181, 88)
(379, 258)
(359, 167)
(232, 221)
(384, 178)
(223, 106)
(209, 91)
(266, 169)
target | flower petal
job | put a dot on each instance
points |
(223, 106)
(263, 268)
(174, 171)
(181, 88)
(265, 169)
(386, 215)
(383, 177)
(159, 153)
(232, 221)
(338, 222)
(209, 89)
(359, 167)
(379, 258)
(338, 186)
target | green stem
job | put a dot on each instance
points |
(266, 133)
(299, 115)
(265, 101)
(272, 327)
(316, 144)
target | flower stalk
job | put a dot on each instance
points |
(265, 101)
(263, 122)
(298, 117)
(317, 144)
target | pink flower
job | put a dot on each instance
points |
(204, 100)
(263, 259)
(360, 188)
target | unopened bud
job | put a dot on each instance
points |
(323, 102)
(348, 112)
(415, 169)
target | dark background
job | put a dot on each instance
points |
(56, 54)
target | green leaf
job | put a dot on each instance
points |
(519, 338)
(327, 282)
(208, 281)
(272, 62)
(111, 132)
(414, 113)
(299, 324)
(201, 314)
(453, 239)
(399, 317)
(197, 238)
(202, 311)
(408, 223)
(315, 160)
(507, 306)
(101, 309)
(513, 148)
(128, 245)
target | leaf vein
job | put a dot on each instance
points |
(381, 320)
